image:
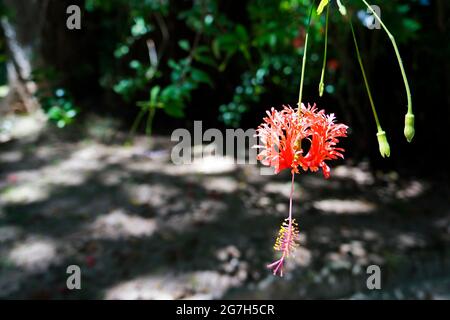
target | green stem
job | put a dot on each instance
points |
(136, 123)
(324, 64)
(305, 50)
(375, 115)
(397, 53)
(149, 125)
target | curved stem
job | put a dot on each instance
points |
(136, 123)
(366, 83)
(290, 226)
(290, 198)
(397, 53)
(305, 50)
(321, 84)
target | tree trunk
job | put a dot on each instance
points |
(22, 29)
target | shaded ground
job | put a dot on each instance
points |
(141, 228)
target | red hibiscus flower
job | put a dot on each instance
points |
(284, 137)
(284, 133)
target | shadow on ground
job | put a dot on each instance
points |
(140, 227)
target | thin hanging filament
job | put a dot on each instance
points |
(366, 83)
(397, 53)
(409, 118)
(305, 51)
(321, 84)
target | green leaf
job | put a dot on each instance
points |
(54, 112)
(174, 109)
(216, 48)
(202, 49)
(61, 124)
(154, 95)
(140, 27)
(241, 33)
(121, 51)
(205, 60)
(201, 76)
(135, 64)
(402, 9)
(411, 24)
(184, 44)
(174, 65)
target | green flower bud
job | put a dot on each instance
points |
(342, 8)
(322, 5)
(409, 127)
(321, 87)
(385, 150)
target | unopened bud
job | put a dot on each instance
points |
(342, 8)
(321, 87)
(321, 6)
(385, 150)
(409, 127)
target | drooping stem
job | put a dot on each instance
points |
(397, 53)
(321, 84)
(383, 143)
(305, 51)
(366, 83)
(290, 200)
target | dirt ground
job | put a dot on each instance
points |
(141, 227)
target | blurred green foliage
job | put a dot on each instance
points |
(55, 101)
(157, 54)
(181, 47)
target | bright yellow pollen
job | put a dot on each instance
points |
(286, 240)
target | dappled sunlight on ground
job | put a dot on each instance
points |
(34, 254)
(191, 285)
(142, 228)
(220, 184)
(344, 206)
(118, 224)
(284, 189)
(360, 174)
(25, 193)
(412, 190)
(12, 126)
(205, 165)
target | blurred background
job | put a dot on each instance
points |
(86, 177)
